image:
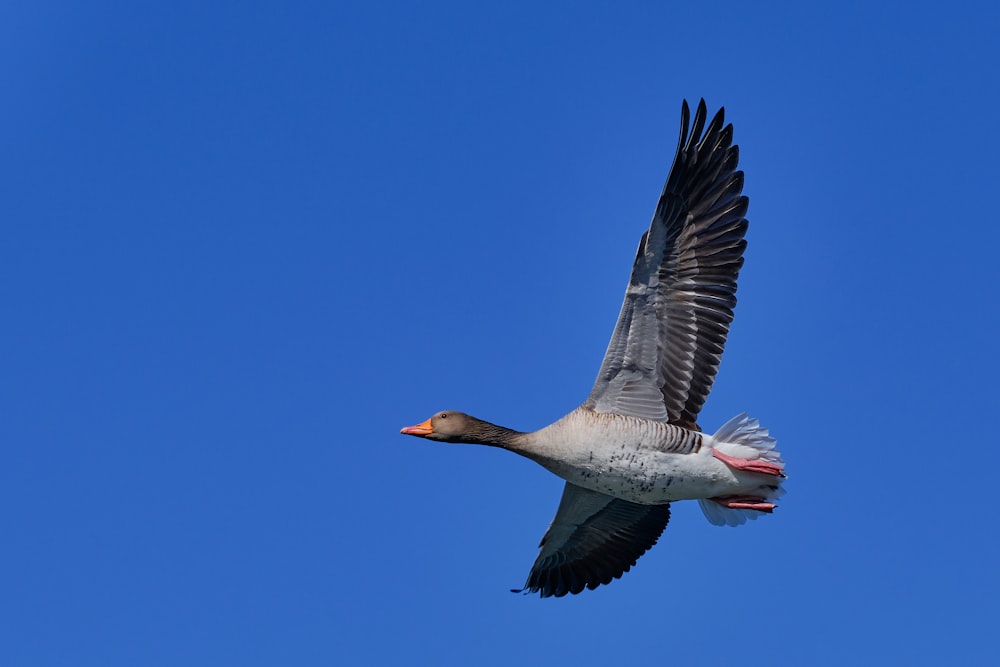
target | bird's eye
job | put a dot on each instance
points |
(444, 415)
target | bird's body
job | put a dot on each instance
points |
(635, 446)
(635, 459)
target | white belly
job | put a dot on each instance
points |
(630, 458)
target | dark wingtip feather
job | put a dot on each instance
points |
(685, 118)
(616, 554)
(699, 123)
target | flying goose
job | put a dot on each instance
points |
(635, 446)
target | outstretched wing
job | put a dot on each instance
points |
(593, 539)
(665, 350)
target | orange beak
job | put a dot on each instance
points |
(419, 429)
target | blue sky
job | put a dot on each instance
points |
(244, 244)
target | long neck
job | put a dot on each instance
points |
(485, 433)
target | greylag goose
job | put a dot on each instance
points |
(635, 446)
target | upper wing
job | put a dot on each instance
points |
(593, 539)
(665, 350)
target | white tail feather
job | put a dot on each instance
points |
(744, 437)
(746, 430)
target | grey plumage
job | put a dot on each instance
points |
(665, 350)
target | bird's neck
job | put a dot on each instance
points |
(484, 433)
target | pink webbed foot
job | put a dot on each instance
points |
(746, 503)
(755, 465)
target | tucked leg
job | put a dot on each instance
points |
(746, 503)
(755, 465)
